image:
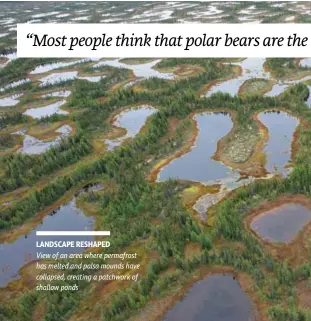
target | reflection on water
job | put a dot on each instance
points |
(46, 110)
(217, 298)
(279, 88)
(91, 78)
(205, 202)
(305, 62)
(281, 127)
(282, 224)
(10, 100)
(132, 119)
(62, 93)
(141, 71)
(198, 165)
(15, 84)
(251, 68)
(32, 145)
(56, 65)
(58, 77)
(276, 90)
(66, 218)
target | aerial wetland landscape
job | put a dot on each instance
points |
(201, 166)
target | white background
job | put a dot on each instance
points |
(25, 46)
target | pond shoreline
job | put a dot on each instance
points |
(202, 273)
(295, 252)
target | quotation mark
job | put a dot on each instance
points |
(30, 35)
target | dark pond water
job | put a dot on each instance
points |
(23, 250)
(217, 298)
(282, 224)
(198, 165)
(281, 127)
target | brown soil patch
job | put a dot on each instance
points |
(103, 99)
(183, 71)
(172, 125)
(191, 250)
(304, 294)
(3, 60)
(47, 131)
(295, 252)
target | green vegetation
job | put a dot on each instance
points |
(136, 61)
(141, 202)
(20, 169)
(150, 218)
(19, 68)
(297, 92)
(286, 68)
(255, 86)
(238, 148)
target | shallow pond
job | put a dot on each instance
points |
(10, 57)
(217, 298)
(279, 88)
(56, 65)
(276, 90)
(46, 110)
(132, 120)
(91, 78)
(282, 224)
(305, 62)
(198, 165)
(251, 68)
(55, 78)
(281, 127)
(34, 146)
(15, 84)
(205, 202)
(10, 100)
(141, 71)
(67, 217)
(62, 93)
